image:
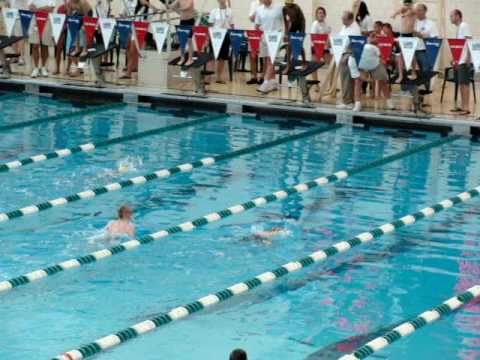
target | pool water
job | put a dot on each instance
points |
(318, 313)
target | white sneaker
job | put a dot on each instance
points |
(343, 106)
(272, 85)
(357, 107)
(21, 62)
(390, 104)
(291, 84)
(44, 72)
(35, 73)
(264, 87)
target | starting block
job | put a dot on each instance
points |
(300, 72)
(6, 41)
(413, 85)
(94, 54)
(197, 71)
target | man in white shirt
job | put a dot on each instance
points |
(269, 17)
(350, 27)
(40, 45)
(424, 29)
(463, 68)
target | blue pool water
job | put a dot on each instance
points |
(310, 314)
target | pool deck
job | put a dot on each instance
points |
(244, 104)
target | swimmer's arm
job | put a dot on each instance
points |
(396, 13)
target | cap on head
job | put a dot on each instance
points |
(289, 2)
(238, 354)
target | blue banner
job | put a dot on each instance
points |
(237, 37)
(433, 46)
(296, 43)
(26, 17)
(124, 28)
(357, 43)
(73, 25)
(184, 32)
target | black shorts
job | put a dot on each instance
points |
(188, 22)
(463, 72)
(407, 35)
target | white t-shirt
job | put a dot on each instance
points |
(41, 3)
(464, 32)
(17, 4)
(428, 29)
(370, 58)
(221, 18)
(320, 28)
(270, 18)
(353, 30)
(254, 5)
(366, 25)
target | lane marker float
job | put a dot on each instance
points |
(183, 311)
(202, 221)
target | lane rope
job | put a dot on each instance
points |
(96, 256)
(61, 116)
(91, 146)
(159, 174)
(180, 312)
(410, 326)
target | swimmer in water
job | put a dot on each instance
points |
(123, 225)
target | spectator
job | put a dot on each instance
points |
(19, 46)
(320, 26)
(76, 46)
(185, 9)
(60, 46)
(464, 66)
(238, 354)
(252, 14)
(364, 19)
(350, 27)
(40, 45)
(372, 64)
(378, 28)
(424, 28)
(294, 22)
(269, 17)
(221, 17)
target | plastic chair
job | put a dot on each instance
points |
(450, 75)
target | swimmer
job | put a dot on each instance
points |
(123, 225)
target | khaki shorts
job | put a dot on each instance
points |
(263, 52)
(47, 38)
(380, 73)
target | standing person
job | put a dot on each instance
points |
(294, 21)
(222, 18)
(320, 26)
(252, 14)
(185, 9)
(269, 17)
(40, 45)
(364, 19)
(60, 46)
(350, 27)
(76, 46)
(19, 46)
(464, 66)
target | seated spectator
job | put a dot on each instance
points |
(222, 18)
(370, 64)
(378, 28)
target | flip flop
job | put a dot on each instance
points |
(457, 109)
(464, 113)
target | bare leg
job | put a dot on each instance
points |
(400, 68)
(35, 55)
(465, 94)
(220, 70)
(44, 50)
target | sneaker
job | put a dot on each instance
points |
(35, 73)
(291, 84)
(44, 72)
(357, 107)
(272, 86)
(343, 106)
(263, 88)
(390, 104)
(21, 62)
(252, 82)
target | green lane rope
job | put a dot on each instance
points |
(184, 227)
(160, 174)
(410, 326)
(89, 147)
(180, 312)
(61, 116)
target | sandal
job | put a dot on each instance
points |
(456, 109)
(464, 113)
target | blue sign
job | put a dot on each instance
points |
(73, 25)
(357, 43)
(124, 28)
(184, 32)
(432, 46)
(296, 43)
(26, 17)
(237, 37)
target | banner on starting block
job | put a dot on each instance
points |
(385, 45)
(457, 46)
(236, 39)
(200, 37)
(57, 21)
(432, 46)
(159, 32)
(319, 44)
(26, 17)
(474, 47)
(183, 32)
(408, 45)
(90, 25)
(107, 28)
(254, 38)
(10, 17)
(357, 44)
(124, 28)
(296, 39)
(217, 37)
(41, 18)
(141, 30)
(73, 25)
(273, 40)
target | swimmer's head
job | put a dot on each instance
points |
(238, 354)
(125, 213)
(123, 168)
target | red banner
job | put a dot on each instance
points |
(385, 44)
(200, 36)
(254, 37)
(456, 48)
(41, 18)
(141, 30)
(90, 25)
(319, 43)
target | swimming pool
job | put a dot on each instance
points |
(308, 314)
